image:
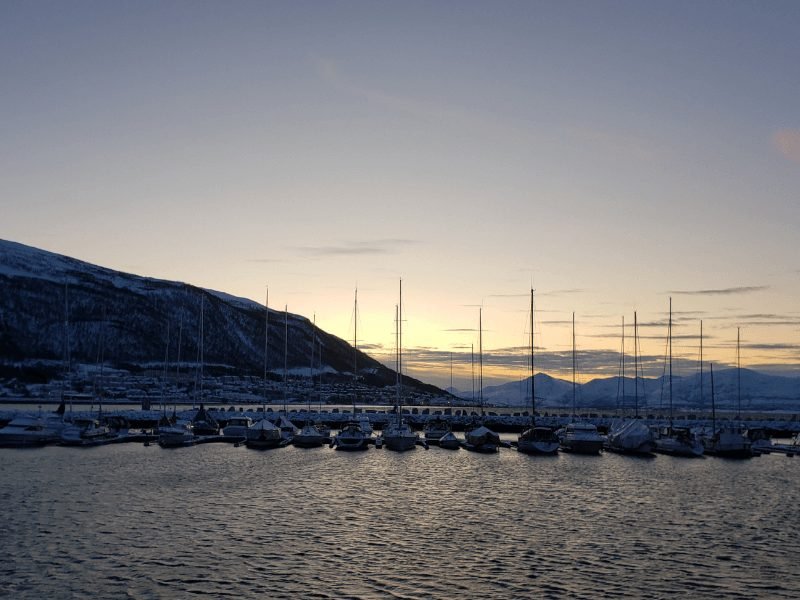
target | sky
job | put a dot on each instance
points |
(610, 155)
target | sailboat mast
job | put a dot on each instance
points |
(623, 362)
(400, 352)
(202, 343)
(397, 355)
(266, 346)
(285, 354)
(713, 403)
(701, 364)
(574, 406)
(472, 369)
(669, 336)
(311, 365)
(635, 365)
(355, 351)
(533, 380)
(480, 357)
(738, 377)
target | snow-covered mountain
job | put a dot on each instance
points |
(759, 391)
(56, 310)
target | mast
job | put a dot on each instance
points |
(480, 356)
(738, 378)
(202, 342)
(574, 409)
(266, 346)
(400, 354)
(102, 362)
(701, 364)
(355, 352)
(472, 369)
(635, 365)
(397, 357)
(533, 380)
(623, 362)
(285, 354)
(311, 365)
(713, 404)
(669, 337)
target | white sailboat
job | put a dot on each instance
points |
(672, 440)
(579, 437)
(631, 436)
(478, 437)
(536, 440)
(355, 435)
(263, 434)
(398, 435)
(727, 440)
(309, 435)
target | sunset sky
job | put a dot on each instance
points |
(608, 154)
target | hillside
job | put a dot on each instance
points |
(57, 312)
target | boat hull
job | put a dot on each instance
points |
(537, 447)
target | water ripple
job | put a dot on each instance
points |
(218, 521)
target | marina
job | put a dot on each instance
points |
(343, 429)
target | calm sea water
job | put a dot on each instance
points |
(218, 521)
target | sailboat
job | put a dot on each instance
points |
(728, 440)
(263, 434)
(672, 440)
(90, 431)
(309, 435)
(579, 437)
(536, 440)
(355, 435)
(631, 436)
(288, 430)
(478, 437)
(398, 435)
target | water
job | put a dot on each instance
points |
(219, 521)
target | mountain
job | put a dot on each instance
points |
(759, 391)
(57, 311)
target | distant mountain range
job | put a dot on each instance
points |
(57, 311)
(758, 391)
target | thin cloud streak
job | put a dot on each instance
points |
(374, 247)
(722, 291)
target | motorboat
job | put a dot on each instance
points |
(538, 440)
(85, 431)
(449, 441)
(263, 434)
(631, 436)
(309, 437)
(481, 439)
(581, 438)
(237, 427)
(177, 435)
(728, 441)
(31, 431)
(435, 429)
(351, 437)
(679, 442)
(760, 441)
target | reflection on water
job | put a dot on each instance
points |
(130, 521)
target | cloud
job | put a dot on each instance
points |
(721, 291)
(562, 292)
(460, 330)
(787, 141)
(360, 248)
